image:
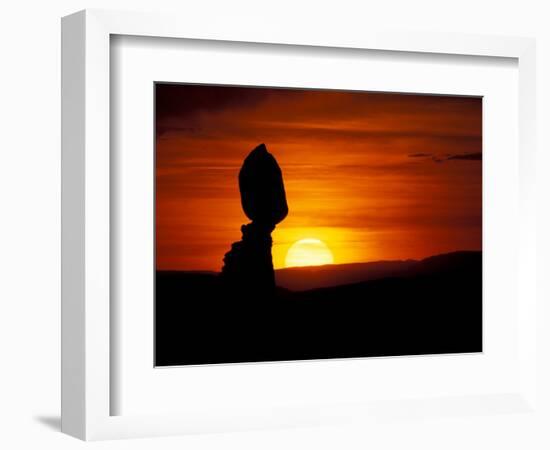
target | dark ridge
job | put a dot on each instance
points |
(432, 307)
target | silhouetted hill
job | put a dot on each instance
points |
(448, 262)
(423, 307)
(305, 278)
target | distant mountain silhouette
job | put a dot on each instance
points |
(304, 278)
(395, 308)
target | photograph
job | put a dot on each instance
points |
(311, 224)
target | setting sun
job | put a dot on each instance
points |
(308, 252)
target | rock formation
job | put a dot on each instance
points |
(248, 266)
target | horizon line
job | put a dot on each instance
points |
(330, 265)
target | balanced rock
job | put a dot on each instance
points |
(262, 190)
(248, 266)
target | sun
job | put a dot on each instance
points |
(308, 252)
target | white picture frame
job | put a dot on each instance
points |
(86, 220)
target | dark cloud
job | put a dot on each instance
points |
(183, 100)
(181, 108)
(438, 158)
(466, 157)
(420, 155)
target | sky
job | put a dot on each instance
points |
(375, 176)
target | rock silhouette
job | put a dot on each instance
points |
(248, 266)
(262, 190)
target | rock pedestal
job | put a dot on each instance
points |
(248, 266)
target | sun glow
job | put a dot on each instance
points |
(308, 252)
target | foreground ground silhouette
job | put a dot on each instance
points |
(431, 306)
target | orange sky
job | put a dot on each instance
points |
(374, 176)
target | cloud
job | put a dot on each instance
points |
(439, 158)
(420, 155)
(466, 157)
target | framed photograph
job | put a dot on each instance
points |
(271, 229)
